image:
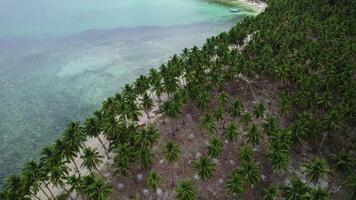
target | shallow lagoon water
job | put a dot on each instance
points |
(60, 59)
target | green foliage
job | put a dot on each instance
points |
(270, 193)
(245, 153)
(295, 189)
(186, 190)
(235, 184)
(204, 167)
(215, 147)
(315, 169)
(171, 151)
(254, 135)
(231, 131)
(209, 124)
(236, 109)
(153, 180)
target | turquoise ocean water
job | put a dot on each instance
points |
(60, 58)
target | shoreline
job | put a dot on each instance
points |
(258, 7)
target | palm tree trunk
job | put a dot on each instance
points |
(322, 142)
(106, 151)
(44, 192)
(34, 195)
(148, 116)
(76, 167)
(65, 189)
(49, 190)
(101, 174)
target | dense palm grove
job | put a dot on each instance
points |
(306, 46)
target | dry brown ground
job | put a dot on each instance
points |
(192, 142)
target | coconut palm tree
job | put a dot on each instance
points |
(295, 189)
(99, 190)
(144, 156)
(57, 176)
(246, 119)
(259, 110)
(246, 153)
(236, 109)
(279, 157)
(209, 124)
(231, 132)
(147, 137)
(74, 183)
(222, 99)
(342, 161)
(219, 116)
(235, 184)
(270, 125)
(315, 170)
(203, 99)
(215, 147)
(317, 194)
(153, 180)
(254, 135)
(91, 160)
(250, 172)
(14, 188)
(173, 110)
(92, 129)
(34, 176)
(147, 105)
(186, 190)
(171, 152)
(123, 158)
(270, 193)
(204, 167)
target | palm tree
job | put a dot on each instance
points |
(171, 152)
(147, 105)
(74, 183)
(186, 190)
(144, 156)
(99, 190)
(58, 175)
(209, 124)
(172, 109)
(203, 100)
(215, 147)
(153, 180)
(204, 167)
(219, 116)
(270, 193)
(235, 184)
(317, 194)
(254, 135)
(91, 160)
(295, 189)
(223, 98)
(231, 132)
(279, 158)
(315, 170)
(259, 110)
(123, 158)
(92, 129)
(342, 161)
(250, 172)
(147, 137)
(270, 125)
(246, 119)
(246, 153)
(236, 109)
(34, 176)
(14, 188)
